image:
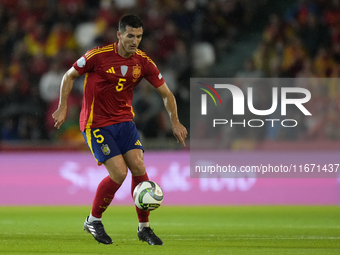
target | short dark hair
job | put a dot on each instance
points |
(129, 20)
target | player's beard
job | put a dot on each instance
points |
(129, 50)
(133, 50)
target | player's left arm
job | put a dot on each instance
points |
(169, 100)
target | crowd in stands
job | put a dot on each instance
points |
(40, 40)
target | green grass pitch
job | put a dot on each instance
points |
(184, 230)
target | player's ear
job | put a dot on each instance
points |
(118, 34)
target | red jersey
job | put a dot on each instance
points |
(109, 83)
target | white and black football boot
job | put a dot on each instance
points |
(96, 229)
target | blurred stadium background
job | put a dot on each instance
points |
(40, 40)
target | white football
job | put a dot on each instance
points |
(148, 195)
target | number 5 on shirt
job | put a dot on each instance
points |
(120, 85)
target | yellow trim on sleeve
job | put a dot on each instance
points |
(93, 52)
(143, 54)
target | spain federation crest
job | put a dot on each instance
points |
(105, 149)
(136, 72)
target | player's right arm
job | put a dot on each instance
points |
(59, 115)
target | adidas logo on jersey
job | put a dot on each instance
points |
(138, 143)
(111, 70)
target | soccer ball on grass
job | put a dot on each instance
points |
(148, 195)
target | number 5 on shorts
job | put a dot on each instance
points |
(99, 136)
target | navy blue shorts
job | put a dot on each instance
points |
(107, 142)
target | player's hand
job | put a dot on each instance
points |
(180, 132)
(59, 117)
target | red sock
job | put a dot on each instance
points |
(105, 193)
(143, 216)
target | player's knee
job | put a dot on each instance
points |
(118, 176)
(138, 169)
